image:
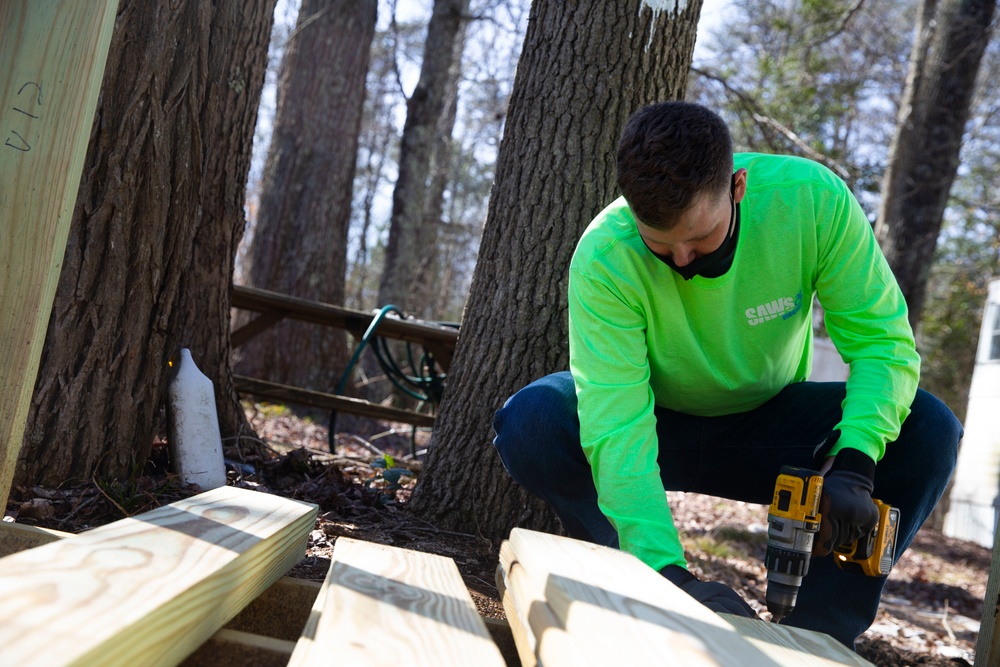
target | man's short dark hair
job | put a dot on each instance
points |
(668, 155)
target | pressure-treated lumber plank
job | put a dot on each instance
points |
(622, 612)
(16, 537)
(523, 642)
(381, 606)
(149, 589)
(795, 647)
(232, 648)
(608, 600)
(286, 393)
(53, 56)
(517, 615)
(538, 633)
(262, 634)
(500, 633)
(988, 643)
(279, 612)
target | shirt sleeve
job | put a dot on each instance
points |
(610, 366)
(866, 317)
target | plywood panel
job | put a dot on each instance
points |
(53, 56)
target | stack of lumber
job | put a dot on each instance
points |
(199, 583)
(573, 603)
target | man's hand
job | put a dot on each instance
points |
(847, 507)
(716, 596)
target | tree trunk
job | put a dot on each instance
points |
(157, 221)
(300, 242)
(585, 68)
(425, 109)
(427, 276)
(950, 41)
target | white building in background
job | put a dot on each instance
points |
(827, 364)
(975, 494)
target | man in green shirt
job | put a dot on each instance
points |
(690, 324)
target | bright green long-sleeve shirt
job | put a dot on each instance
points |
(642, 336)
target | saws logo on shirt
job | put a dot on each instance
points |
(783, 308)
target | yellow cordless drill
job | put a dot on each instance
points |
(793, 521)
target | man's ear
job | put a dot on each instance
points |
(739, 185)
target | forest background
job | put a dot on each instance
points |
(823, 83)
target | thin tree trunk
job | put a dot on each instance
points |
(951, 38)
(427, 275)
(425, 109)
(157, 221)
(427, 115)
(585, 68)
(300, 243)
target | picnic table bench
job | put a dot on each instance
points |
(273, 307)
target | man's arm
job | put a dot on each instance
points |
(866, 318)
(608, 359)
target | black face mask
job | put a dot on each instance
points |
(715, 263)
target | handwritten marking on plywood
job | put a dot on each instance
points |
(53, 56)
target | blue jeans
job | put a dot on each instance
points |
(737, 456)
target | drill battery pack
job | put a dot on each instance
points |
(873, 554)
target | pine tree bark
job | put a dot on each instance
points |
(427, 283)
(952, 36)
(585, 68)
(427, 106)
(299, 245)
(149, 261)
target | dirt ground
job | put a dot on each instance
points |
(930, 611)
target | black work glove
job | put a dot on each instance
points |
(716, 596)
(847, 507)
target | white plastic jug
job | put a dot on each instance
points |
(193, 426)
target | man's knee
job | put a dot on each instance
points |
(534, 422)
(933, 427)
(535, 410)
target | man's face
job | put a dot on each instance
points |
(701, 229)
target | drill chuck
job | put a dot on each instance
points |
(781, 599)
(785, 570)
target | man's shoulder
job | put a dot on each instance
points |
(611, 227)
(765, 169)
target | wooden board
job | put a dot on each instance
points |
(232, 648)
(621, 611)
(149, 589)
(988, 643)
(618, 610)
(381, 606)
(795, 647)
(280, 612)
(15, 537)
(355, 406)
(539, 634)
(53, 56)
